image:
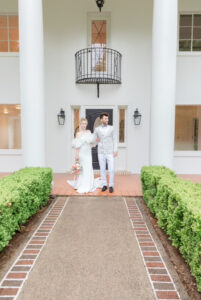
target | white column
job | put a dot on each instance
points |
(164, 50)
(32, 81)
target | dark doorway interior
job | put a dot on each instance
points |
(92, 116)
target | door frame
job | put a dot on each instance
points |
(113, 107)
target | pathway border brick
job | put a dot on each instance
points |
(161, 281)
(20, 269)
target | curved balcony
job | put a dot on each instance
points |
(98, 65)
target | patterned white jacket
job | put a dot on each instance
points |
(108, 142)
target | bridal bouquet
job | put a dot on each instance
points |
(76, 168)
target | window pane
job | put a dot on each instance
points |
(188, 127)
(197, 45)
(185, 20)
(197, 33)
(14, 46)
(13, 21)
(185, 45)
(122, 125)
(185, 33)
(76, 120)
(3, 21)
(14, 34)
(10, 127)
(197, 20)
(3, 46)
(3, 34)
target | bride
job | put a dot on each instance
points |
(83, 141)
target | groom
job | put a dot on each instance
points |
(107, 150)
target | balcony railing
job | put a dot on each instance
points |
(98, 65)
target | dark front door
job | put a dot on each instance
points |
(93, 117)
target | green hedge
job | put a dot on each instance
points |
(22, 194)
(177, 205)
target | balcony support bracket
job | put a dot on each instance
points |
(98, 89)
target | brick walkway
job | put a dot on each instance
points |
(90, 248)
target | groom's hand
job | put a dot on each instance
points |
(115, 154)
(97, 140)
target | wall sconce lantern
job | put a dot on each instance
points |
(100, 4)
(61, 117)
(137, 117)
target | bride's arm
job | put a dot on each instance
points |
(77, 144)
(77, 154)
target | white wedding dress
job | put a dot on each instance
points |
(85, 183)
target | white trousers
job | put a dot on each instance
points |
(102, 158)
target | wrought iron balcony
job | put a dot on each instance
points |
(98, 65)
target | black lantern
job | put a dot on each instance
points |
(100, 4)
(137, 117)
(61, 117)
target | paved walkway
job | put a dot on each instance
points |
(90, 248)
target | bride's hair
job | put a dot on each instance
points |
(77, 129)
(83, 119)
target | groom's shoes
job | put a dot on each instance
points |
(111, 189)
(104, 188)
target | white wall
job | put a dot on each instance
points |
(8, 6)
(9, 79)
(65, 33)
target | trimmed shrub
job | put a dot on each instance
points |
(22, 194)
(177, 205)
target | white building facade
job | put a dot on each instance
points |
(160, 43)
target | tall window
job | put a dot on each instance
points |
(98, 33)
(10, 127)
(9, 33)
(98, 29)
(121, 125)
(188, 127)
(190, 32)
(76, 117)
(98, 36)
